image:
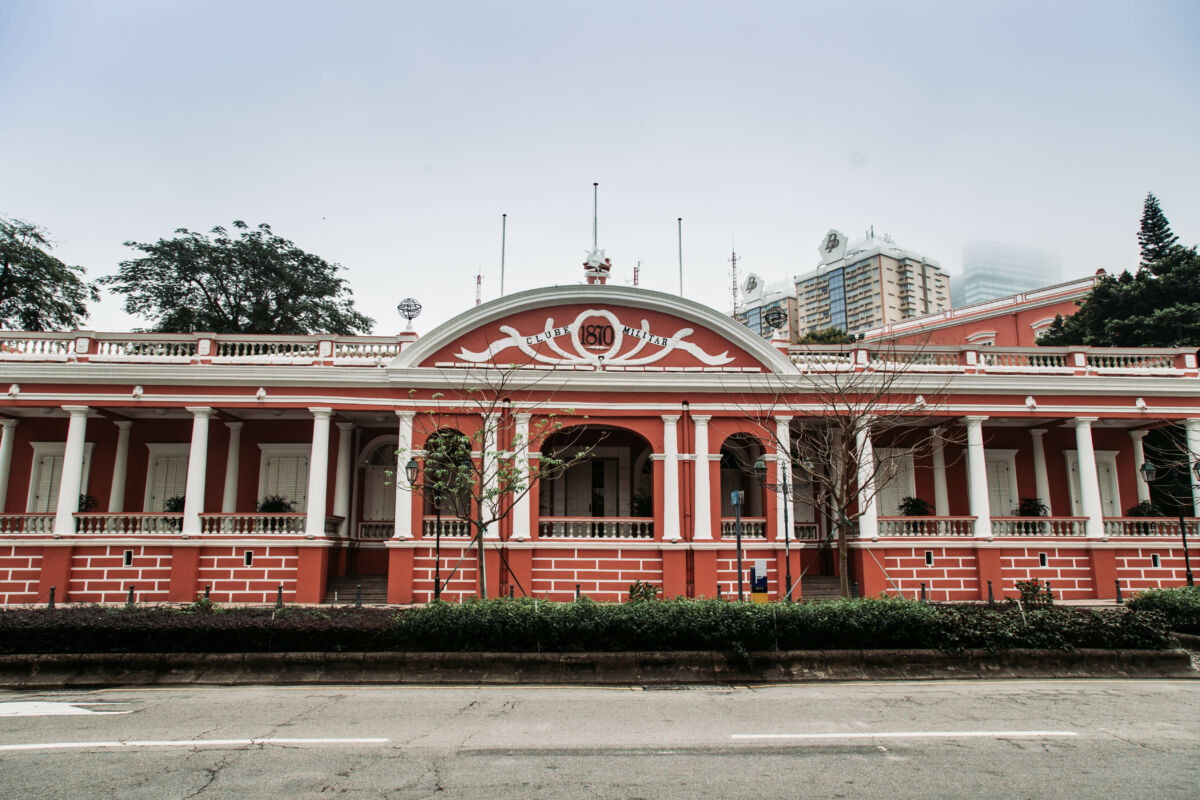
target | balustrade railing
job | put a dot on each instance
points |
(1117, 361)
(365, 351)
(31, 346)
(752, 527)
(128, 524)
(1147, 526)
(926, 526)
(595, 528)
(258, 351)
(1039, 526)
(452, 528)
(1024, 359)
(26, 523)
(377, 529)
(806, 531)
(262, 524)
(175, 350)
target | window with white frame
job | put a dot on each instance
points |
(895, 479)
(166, 475)
(1001, 468)
(283, 472)
(46, 475)
(1106, 476)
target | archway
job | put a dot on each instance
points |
(609, 492)
(738, 454)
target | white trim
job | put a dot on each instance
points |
(55, 449)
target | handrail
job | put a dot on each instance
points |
(752, 527)
(926, 526)
(1039, 526)
(1148, 526)
(26, 523)
(122, 524)
(595, 528)
(452, 527)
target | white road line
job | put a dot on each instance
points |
(42, 708)
(908, 735)
(180, 743)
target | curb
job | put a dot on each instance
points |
(54, 671)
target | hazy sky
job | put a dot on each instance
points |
(390, 137)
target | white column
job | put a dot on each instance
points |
(70, 484)
(1089, 484)
(404, 492)
(1193, 454)
(670, 478)
(341, 489)
(233, 459)
(8, 431)
(318, 472)
(116, 494)
(702, 496)
(521, 509)
(783, 473)
(193, 497)
(941, 496)
(868, 517)
(489, 465)
(1041, 478)
(1139, 458)
(977, 485)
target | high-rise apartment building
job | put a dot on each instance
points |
(758, 300)
(992, 270)
(868, 283)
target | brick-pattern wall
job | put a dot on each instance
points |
(20, 569)
(954, 574)
(1136, 570)
(602, 574)
(224, 569)
(99, 574)
(1068, 570)
(727, 572)
(455, 589)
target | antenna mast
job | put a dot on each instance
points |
(637, 271)
(680, 221)
(733, 259)
(595, 199)
(503, 236)
(478, 287)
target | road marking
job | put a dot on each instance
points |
(908, 735)
(41, 708)
(180, 743)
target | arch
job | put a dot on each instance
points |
(442, 449)
(377, 460)
(739, 451)
(613, 481)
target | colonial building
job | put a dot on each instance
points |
(165, 463)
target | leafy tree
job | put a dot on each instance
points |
(37, 291)
(1155, 237)
(831, 335)
(251, 282)
(1158, 306)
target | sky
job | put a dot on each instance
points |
(389, 137)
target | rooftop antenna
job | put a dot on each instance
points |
(733, 259)
(595, 200)
(637, 271)
(478, 287)
(680, 222)
(503, 236)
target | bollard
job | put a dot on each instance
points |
(718, 591)
(854, 588)
(512, 592)
(129, 601)
(279, 596)
(991, 597)
(51, 605)
(358, 596)
(922, 591)
(207, 591)
(1120, 600)
(577, 591)
(1049, 593)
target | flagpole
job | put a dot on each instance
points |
(503, 236)
(680, 221)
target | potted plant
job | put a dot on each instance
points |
(274, 504)
(915, 507)
(173, 505)
(1031, 507)
(1146, 508)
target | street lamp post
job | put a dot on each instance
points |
(1150, 472)
(784, 488)
(735, 499)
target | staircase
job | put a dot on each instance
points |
(343, 588)
(820, 587)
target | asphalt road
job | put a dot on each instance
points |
(978, 739)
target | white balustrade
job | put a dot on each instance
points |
(595, 528)
(143, 348)
(26, 523)
(252, 524)
(752, 527)
(1039, 526)
(927, 526)
(1024, 359)
(1147, 526)
(806, 532)
(376, 529)
(268, 351)
(366, 352)
(452, 527)
(31, 346)
(128, 524)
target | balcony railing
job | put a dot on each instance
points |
(1147, 526)
(926, 526)
(452, 528)
(128, 524)
(752, 527)
(377, 529)
(262, 524)
(806, 531)
(595, 528)
(26, 523)
(1039, 526)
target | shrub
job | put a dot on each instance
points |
(1034, 593)
(275, 504)
(639, 591)
(915, 507)
(1032, 507)
(1179, 607)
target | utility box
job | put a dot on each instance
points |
(758, 581)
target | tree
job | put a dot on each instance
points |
(1155, 237)
(853, 428)
(252, 282)
(38, 292)
(1157, 306)
(478, 474)
(830, 335)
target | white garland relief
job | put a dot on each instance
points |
(594, 354)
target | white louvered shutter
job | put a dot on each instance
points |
(48, 476)
(287, 476)
(168, 478)
(1108, 501)
(379, 494)
(892, 477)
(1000, 500)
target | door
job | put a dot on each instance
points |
(168, 479)
(47, 475)
(1106, 476)
(1001, 502)
(287, 476)
(379, 494)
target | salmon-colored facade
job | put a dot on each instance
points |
(163, 463)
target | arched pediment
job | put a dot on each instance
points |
(588, 327)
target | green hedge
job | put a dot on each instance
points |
(1180, 607)
(539, 626)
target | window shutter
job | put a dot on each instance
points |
(1104, 474)
(379, 501)
(1000, 499)
(287, 476)
(168, 479)
(893, 479)
(49, 474)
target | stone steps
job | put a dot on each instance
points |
(344, 587)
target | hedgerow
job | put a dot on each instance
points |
(583, 626)
(1180, 607)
